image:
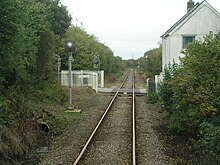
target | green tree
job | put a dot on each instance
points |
(59, 17)
(151, 62)
(45, 62)
(27, 35)
(87, 47)
(21, 45)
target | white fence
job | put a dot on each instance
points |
(92, 79)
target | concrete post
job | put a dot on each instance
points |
(96, 82)
(102, 79)
(81, 78)
(156, 83)
(148, 86)
(70, 106)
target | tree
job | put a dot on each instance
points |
(87, 47)
(45, 62)
(28, 29)
(59, 17)
(18, 45)
(151, 62)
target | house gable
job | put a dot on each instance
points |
(195, 24)
(189, 15)
(199, 23)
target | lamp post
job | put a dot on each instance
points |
(70, 49)
(146, 57)
(96, 62)
(58, 67)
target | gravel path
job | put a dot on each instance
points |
(150, 149)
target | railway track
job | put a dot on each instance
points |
(113, 139)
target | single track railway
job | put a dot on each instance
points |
(113, 140)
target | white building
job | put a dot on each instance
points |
(200, 20)
(82, 78)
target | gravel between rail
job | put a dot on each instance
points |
(112, 143)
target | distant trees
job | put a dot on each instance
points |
(151, 62)
(87, 47)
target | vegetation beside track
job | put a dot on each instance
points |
(32, 33)
(190, 94)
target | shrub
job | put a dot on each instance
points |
(190, 93)
(209, 142)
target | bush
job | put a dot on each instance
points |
(190, 93)
(52, 93)
(152, 98)
(4, 104)
(209, 142)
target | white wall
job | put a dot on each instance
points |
(92, 79)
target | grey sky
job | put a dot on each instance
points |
(129, 27)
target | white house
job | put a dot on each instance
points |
(200, 20)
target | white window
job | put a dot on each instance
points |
(187, 40)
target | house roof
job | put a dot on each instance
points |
(188, 15)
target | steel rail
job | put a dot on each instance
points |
(99, 123)
(133, 121)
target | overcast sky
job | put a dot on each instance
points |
(129, 27)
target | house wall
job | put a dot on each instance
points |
(200, 23)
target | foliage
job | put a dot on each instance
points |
(52, 93)
(16, 54)
(166, 91)
(31, 33)
(59, 18)
(87, 47)
(152, 98)
(28, 31)
(131, 63)
(4, 106)
(209, 142)
(26, 40)
(190, 93)
(151, 62)
(45, 61)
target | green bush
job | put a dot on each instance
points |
(209, 142)
(4, 104)
(190, 94)
(166, 91)
(152, 98)
(52, 93)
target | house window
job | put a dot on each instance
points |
(187, 40)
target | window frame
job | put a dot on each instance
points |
(185, 43)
